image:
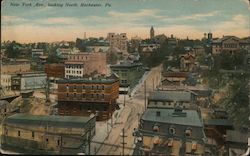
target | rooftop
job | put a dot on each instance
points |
(125, 65)
(60, 121)
(85, 80)
(237, 136)
(170, 116)
(170, 95)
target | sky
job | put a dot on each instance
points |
(182, 18)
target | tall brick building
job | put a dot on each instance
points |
(81, 64)
(82, 97)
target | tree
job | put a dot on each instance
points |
(13, 50)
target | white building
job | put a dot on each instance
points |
(74, 69)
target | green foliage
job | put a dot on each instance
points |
(228, 61)
(157, 56)
(13, 50)
(237, 103)
(52, 56)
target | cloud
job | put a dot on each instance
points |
(199, 16)
(237, 25)
(59, 20)
(12, 19)
(135, 15)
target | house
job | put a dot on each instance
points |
(187, 62)
(148, 49)
(35, 53)
(171, 132)
(198, 50)
(85, 64)
(29, 81)
(81, 97)
(63, 53)
(174, 78)
(172, 99)
(129, 74)
(40, 134)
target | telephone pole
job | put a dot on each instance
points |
(145, 96)
(123, 141)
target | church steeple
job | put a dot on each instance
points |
(152, 33)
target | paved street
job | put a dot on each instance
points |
(128, 119)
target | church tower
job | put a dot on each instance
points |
(152, 33)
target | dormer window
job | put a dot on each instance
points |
(172, 130)
(194, 146)
(156, 140)
(170, 142)
(156, 128)
(188, 132)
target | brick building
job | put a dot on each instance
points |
(118, 41)
(55, 70)
(82, 64)
(83, 97)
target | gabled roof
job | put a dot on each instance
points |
(224, 38)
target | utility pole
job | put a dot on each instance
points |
(124, 99)
(153, 84)
(123, 141)
(89, 141)
(1, 89)
(145, 96)
(47, 89)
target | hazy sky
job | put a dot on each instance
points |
(181, 18)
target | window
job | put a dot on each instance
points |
(58, 142)
(74, 86)
(188, 132)
(74, 94)
(33, 135)
(67, 94)
(18, 133)
(92, 95)
(6, 131)
(83, 95)
(102, 87)
(172, 130)
(47, 140)
(102, 96)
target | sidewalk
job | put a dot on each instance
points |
(143, 78)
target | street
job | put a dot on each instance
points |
(128, 119)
